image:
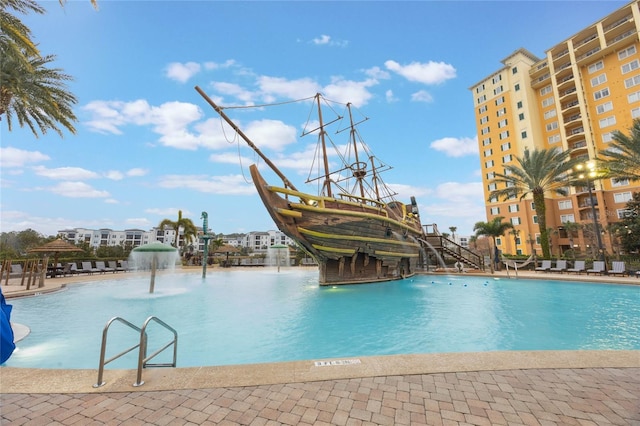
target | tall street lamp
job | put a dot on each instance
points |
(587, 171)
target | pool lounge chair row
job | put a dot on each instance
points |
(100, 267)
(599, 267)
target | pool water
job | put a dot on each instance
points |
(239, 317)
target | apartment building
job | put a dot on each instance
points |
(572, 98)
(256, 242)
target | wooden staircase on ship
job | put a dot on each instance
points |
(448, 250)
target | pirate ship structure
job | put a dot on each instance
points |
(354, 227)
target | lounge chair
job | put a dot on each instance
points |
(546, 265)
(87, 268)
(73, 268)
(103, 268)
(125, 265)
(618, 268)
(561, 266)
(578, 267)
(16, 271)
(114, 266)
(598, 268)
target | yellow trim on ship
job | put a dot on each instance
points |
(287, 212)
(334, 249)
(354, 238)
(394, 254)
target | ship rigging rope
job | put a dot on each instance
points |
(266, 105)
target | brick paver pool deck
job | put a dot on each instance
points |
(488, 388)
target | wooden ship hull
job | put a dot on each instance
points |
(354, 240)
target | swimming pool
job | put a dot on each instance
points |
(239, 317)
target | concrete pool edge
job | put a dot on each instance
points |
(43, 381)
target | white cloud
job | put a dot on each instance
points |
(349, 91)
(291, 89)
(235, 90)
(227, 185)
(456, 147)
(390, 97)
(323, 39)
(426, 73)
(421, 96)
(214, 65)
(168, 212)
(114, 175)
(77, 190)
(136, 172)
(65, 173)
(182, 72)
(14, 157)
(377, 73)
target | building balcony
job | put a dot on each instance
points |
(570, 106)
(575, 134)
(537, 70)
(572, 118)
(579, 146)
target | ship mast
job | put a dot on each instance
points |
(327, 179)
(248, 141)
(359, 173)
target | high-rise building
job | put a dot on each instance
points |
(573, 98)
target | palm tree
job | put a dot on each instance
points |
(622, 157)
(453, 230)
(494, 229)
(572, 229)
(536, 173)
(29, 90)
(189, 230)
(36, 94)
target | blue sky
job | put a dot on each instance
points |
(147, 145)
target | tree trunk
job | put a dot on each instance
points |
(541, 212)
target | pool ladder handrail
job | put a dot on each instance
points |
(143, 359)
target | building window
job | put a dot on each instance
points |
(492, 186)
(607, 137)
(554, 139)
(632, 81)
(488, 164)
(501, 112)
(500, 100)
(535, 219)
(606, 122)
(564, 205)
(550, 114)
(497, 90)
(517, 87)
(514, 208)
(502, 123)
(485, 130)
(619, 182)
(623, 213)
(519, 104)
(482, 109)
(602, 108)
(505, 146)
(602, 78)
(495, 210)
(484, 119)
(633, 97)
(547, 102)
(564, 218)
(635, 112)
(488, 152)
(545, 90)
(596, 67)
(496, 79)
(628, 67)
(482, 98)
(521, 116)
(491, 175)
(622, 197)
(515, 221)
(626, 52)
(514, 70)
(552, 126)
(504, 135)
(601, 93)
(480, 88)
(486, 141)
(523, 134)
(506, 158)
(493, 199)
